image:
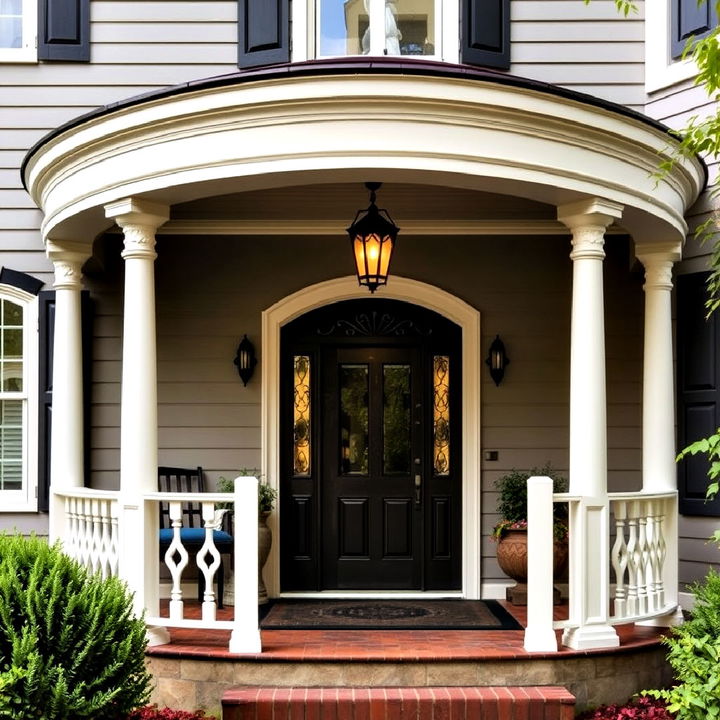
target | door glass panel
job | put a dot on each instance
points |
(354, 419)
(396, 419)
(301, 415)
(441, 415)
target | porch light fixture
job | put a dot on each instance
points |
(497, 360)
(245, 359)
(372, 237)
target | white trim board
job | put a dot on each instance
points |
(398, 288)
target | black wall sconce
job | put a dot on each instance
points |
(497, 360)
(245, 359)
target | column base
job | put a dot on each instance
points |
(157, 635)
(591, 637)
(540, 640)
(245, 641)
(672, 619)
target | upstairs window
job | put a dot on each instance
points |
(377, 27)
(18, 29)
(476, 32)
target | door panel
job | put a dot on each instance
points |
(372, 535)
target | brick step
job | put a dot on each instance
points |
(398, 703)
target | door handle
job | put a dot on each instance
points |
(418, 488)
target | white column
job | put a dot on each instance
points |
(67, 450)
(139, 562)
(589, 538)
(659, 471)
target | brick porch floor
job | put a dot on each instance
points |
(195, 669)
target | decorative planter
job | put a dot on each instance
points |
(512, 558)
(264, 545)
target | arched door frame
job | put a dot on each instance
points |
(399, 288)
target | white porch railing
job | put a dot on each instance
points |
(645, 545)
(89, 528)
(90, 525)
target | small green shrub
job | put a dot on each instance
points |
(695, 657)
(70, 646)
(512, 501)
(266, 495)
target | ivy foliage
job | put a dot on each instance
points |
(694, 654)
(70, 646)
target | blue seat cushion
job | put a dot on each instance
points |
(195, 536)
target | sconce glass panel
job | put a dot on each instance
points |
(301, 415)
(441, 415)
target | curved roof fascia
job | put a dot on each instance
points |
(409, 121)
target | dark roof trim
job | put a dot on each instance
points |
(21, 280)
(353, 66)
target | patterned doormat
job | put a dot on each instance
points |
(386, 615)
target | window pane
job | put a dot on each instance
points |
(12, 376)
(396, 419)
(12, 344)
(343, 28)
(410, 27)
(12, 314)
(10, 32)
(301, 415)
(354, 419)
(441, 415)
(11, 434)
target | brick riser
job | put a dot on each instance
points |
(425, 703)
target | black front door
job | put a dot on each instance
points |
(370, 492)
(371, 495)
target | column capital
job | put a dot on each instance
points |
(139, 219)
(588, 220)
(658, 260)
(68, 259)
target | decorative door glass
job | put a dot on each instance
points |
(301, 415)
(354, 440)
(441, 415)
(396, 419)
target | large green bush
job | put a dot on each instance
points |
(695, 657)
(70, 646)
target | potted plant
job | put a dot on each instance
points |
(510, 533)
(266, 502)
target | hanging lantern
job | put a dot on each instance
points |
(372, 236)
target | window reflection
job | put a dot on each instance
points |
(354, 419)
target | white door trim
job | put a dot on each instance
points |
(398, 288)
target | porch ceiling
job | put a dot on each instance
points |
(426, 124)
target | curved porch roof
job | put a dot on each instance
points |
(343, 121)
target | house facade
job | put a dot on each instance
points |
(159, 204)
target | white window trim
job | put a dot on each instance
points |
(447, 32)
(661, 71)
(25, 500)
(28, 52)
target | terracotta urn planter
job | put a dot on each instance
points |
(512, 558)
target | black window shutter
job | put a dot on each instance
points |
(485, 33)
(46, 329)
(64, 30)
(690, 18)
(263, 32)
(698, 357)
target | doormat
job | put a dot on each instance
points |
(386, 615)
